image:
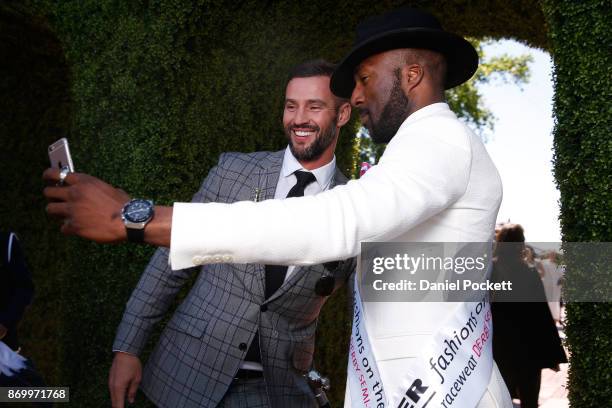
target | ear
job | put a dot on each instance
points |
(344, 114)
(412, 75)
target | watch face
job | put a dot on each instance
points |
(138, 211)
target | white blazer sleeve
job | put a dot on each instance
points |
(421, 172)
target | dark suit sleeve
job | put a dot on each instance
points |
(159, 284)
(20, 286)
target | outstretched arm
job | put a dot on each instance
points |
(91, 209)
(419, 175)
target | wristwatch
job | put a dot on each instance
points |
(135, 215)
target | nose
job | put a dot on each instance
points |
(300, 116)
(357, 98)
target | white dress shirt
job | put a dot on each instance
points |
(286, 180)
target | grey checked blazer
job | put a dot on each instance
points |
(205, 342)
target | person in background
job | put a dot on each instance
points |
(532, 261)
(16, 293)
(552, 275)
(525, 339)
(16, 288)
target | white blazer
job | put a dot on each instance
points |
(435, 182)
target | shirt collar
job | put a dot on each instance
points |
(429, 110)
(323, 174)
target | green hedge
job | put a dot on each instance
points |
(581, 39)
(151, 92)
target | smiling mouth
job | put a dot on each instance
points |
(303, 133)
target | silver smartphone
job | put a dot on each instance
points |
(59, 155)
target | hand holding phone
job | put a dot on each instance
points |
(59, 155)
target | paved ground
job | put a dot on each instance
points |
(553, 392)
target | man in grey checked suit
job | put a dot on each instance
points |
(235, 340)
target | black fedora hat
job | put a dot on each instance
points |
(405, 28)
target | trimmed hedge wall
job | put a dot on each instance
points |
(581, 39)
(151, 92)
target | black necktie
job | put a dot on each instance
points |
(275, 274)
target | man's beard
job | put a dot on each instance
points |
(393, 115)
(321, 142)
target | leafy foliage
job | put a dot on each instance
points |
(466, 101)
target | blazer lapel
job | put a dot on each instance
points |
(264, 181)
(339, 179)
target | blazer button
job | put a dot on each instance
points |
(242, 346)
(263, 308)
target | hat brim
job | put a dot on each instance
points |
(461, 57)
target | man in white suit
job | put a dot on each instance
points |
(434, 183)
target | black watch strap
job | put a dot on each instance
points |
(135, 235)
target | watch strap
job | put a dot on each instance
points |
(135, 235)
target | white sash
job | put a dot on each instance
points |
(453, 370)
(365, 383)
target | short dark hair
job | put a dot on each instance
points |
(317, 67)
(313, 68)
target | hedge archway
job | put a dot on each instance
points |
(150, 92)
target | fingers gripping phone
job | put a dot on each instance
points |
(59, 155)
